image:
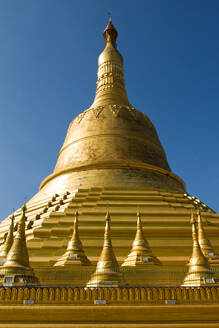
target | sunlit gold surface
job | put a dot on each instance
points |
(8, 242)
(111, 156)
(111, 144)
(107, 271)
(16, 267)
(75, 254)
(141, 254)
(110, 83)
(200, 272)
(205, 244)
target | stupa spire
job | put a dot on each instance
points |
(199, 273)
(110, 82)
(141, 253)
(74, 254)
(18, 254)
(8, 242)
(16, 269)
(205, 244)
(107, 271)
(110, 33)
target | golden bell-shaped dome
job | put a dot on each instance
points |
(111, 144)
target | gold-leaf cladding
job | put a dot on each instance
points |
(115, 109)
(79, 118)
(96, 111)
(133, 112)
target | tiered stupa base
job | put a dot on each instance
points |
(140, 260)
(165, 217)
(199, 279)
(14, 276)
(106, 279)
(72, 259)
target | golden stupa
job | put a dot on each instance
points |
(16, 270)
(141, 254)
(8, 242)
(200, 272)
(107, 272)
(74, 254)
(205, 244)
(112, 158)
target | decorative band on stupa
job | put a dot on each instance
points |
(107, 272)
(16, 270)
(141, 254)
(74, 254)
(200, 273)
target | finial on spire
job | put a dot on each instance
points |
(110, 16)
(110, 34)
(24, 207)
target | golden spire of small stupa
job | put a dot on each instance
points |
(199, 272)
(205, 244)
(16, 269)
(8, 242)
(141, 253)
(107, 272)
(18, 254)
(74, 254)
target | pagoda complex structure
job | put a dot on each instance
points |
(80, 227)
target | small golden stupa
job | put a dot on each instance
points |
(205, 244)
(141, 254)
(200, 272)
(8, 242)
(74, 254)
(16, 270)
(107, 272)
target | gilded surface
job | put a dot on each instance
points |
(74, 254)
(127, 295)
(107, 271)
(111, 143)
(205, 244)
(141, 254)
(200, 272)
(8, 242)
(16, 269)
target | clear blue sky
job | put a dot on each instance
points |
(48, 65)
